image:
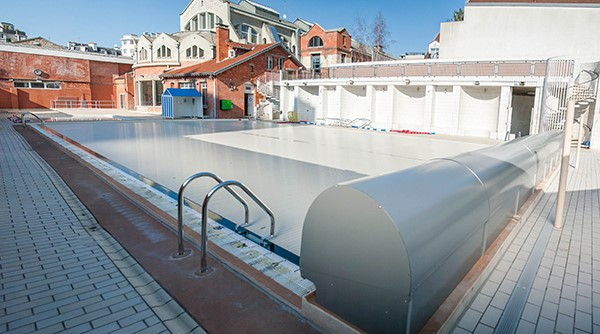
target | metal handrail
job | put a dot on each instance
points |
(181, 252)
(365, 122)
(32, 114)
(203, 266)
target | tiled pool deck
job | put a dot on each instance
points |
(548, 280)
(60, 272)
(50, 249)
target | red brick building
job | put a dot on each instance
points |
(37, 77)
(232, 75)
(322, 48)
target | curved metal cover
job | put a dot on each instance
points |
(374, 246)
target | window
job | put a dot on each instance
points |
(204, 21)
(186, 85)
(316, 62)
(163, 52)
(143, 54)
(315, 42)
(343, 57)
(194, 52)
(204, 92)
(37, 85)
(344, 40)
(280, 63)
(248, 33)
(269, 62)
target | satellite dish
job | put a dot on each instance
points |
(37, 72)
(284, 16)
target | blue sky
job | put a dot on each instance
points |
(412, 23)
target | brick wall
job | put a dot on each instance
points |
(79, 79)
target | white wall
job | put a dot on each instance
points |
(531, 31)
(445, 109)
(478, 115)
(382, 110)
(308, 103)
(409, 108)
(355, 103)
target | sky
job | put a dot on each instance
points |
(412, 23)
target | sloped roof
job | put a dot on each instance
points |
(181, 92)
(212, 67)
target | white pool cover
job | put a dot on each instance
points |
(286, 165)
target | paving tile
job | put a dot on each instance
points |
(531, 313)
(525, 327)
(491, 316)
(470, 320)
(564, 324)
(481, 303)
(583, 321)
(544, 326)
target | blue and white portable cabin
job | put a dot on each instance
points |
(178, 103)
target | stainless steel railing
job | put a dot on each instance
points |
(226, 184)
(181, 251)
(32, 114)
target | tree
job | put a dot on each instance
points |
(380, 32)
(375, 36)
(459, 15)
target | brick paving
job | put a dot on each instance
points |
(59, 270)
(548, 280)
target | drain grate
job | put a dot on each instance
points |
(516, 303)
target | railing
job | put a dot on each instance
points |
(360, 123)
(203, 264)
(83, 104)
(535, 68)
(560, 87)
(181, 252)
(32, 114)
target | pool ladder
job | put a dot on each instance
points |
(181, 251)
(23, 114)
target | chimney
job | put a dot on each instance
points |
(222, 42)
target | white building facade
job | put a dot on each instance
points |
(8, 33)
(129, 44)
(523, 30)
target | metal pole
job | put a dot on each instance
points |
(564, 166)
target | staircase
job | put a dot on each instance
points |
(269, 108)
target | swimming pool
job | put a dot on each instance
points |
(286, 165)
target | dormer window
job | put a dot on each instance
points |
(194, 52)
(163, 52)
(143, 54)
(315, 42)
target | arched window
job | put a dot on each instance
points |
(315, 42)
(248, 33)
(143, 54)
(194, 52)
(204, 21)
(163, 52)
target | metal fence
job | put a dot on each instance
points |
(533, 68)
(83, 104)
